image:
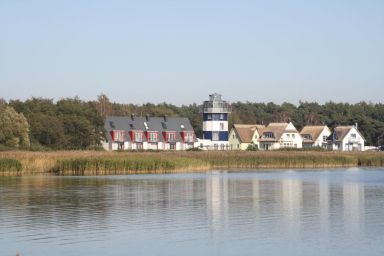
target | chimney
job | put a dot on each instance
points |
(356, 125)
(147, 117)
(133, 117)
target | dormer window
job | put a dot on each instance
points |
(268, 135)
(137, 136)
(118, 135)
(152, 136)
(170, 136)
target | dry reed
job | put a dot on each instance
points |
(105, 163)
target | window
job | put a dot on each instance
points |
(215, 136)
(221, 126)
(209, 117)
(172, 146)
(221, 117)
(288, 136)
(325, 138)
(233, 136)
(293, 136)
(353, 135)
(138, 136)
(268, 135)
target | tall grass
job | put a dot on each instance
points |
(104, 163)
(9, 166)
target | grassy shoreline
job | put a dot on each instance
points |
(16, 163)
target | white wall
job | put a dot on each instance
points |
(214, 126)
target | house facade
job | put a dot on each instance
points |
(315, 136)
(243, 135)
(346, 138)
(148, 133)
(280, 135)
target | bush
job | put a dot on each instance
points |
(252, 147)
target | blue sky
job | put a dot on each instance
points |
(180, 51)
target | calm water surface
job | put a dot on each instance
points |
(306, 212)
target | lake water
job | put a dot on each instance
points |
(280, 212)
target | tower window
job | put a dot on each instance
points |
(221, 126)
(215, 136)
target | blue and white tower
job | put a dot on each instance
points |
(215, 122)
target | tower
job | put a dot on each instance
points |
(215, 122)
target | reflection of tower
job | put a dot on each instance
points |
(353, 195)
(217, 200)
(215, 122)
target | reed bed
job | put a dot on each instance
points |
(106, 163)
(10, 166)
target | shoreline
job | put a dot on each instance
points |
(85, 163)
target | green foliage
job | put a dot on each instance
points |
(14, 128)
(10, 165)
(252, 147)
(67, 124)
(76, 124)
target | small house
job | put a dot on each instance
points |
(346, 138)
(280, 135)
(242, 136)
(315, 136)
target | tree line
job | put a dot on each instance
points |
(71, 123)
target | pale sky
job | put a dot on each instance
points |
(179, 51)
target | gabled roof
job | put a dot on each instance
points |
(245, 132)
(313, 131)
(340, 132)
(158, 124)
(277, 129)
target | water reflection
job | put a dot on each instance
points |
(218, 213)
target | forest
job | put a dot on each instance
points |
(41, 124)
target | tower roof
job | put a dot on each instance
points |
(216, 105)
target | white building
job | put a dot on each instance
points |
(280, 135)
(315, 136)
(346, 138)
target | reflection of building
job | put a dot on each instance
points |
(353, 198)
(292, 204)
(324, 205)
(215, 123)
